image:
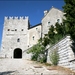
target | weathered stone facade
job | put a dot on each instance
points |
(50, 18)
(17, 34)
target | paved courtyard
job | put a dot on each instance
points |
(24, 67)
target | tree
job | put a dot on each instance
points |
(54, 34)
(69, 10)
(37, 51)
(45, 41)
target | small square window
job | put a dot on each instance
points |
(33, 37)
(8, 29)
(58, 20)
(18, 40)
(21, 29)
(36, 28)
(15, 29)
(3, 47)
(48, 23)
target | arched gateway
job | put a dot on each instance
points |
(17, 53)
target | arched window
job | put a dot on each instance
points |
(48, 23)
(58, 20)
(33, 37)
(18, 40)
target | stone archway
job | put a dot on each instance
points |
(17, 53)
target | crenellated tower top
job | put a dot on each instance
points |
(18, 18)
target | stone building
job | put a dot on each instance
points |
(18, 36)
(50, 18)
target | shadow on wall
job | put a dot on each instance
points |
(73, 47)
(6, 72)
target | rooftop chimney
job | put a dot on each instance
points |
(45, 12)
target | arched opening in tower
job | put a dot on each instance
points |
(17, 53)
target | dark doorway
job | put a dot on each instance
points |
(17, 53)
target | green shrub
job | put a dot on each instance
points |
(34, 57)
(43, 60)
(36, 51)
(47, 64)
(54, 57)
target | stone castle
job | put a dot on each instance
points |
(18, 36)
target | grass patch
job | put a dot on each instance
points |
(47, 64)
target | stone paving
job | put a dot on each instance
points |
(23, 67)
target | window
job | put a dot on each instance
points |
(8, 29)
(18, 40)
(15, 29)
(12, 30)
(36, 28)
(58, 20)
(33, 37)
(3, 47)
(48, 23)
(21, 29)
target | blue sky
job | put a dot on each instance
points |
(32, 8)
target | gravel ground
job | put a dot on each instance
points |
(25, 67)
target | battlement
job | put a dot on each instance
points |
(18, 18)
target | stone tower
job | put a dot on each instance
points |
(15, 36)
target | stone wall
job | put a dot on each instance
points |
(17, 28)
(16, 34)
(26, 55)
(14, 28)
(34, 35)
(52, 16)
(66, 55)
